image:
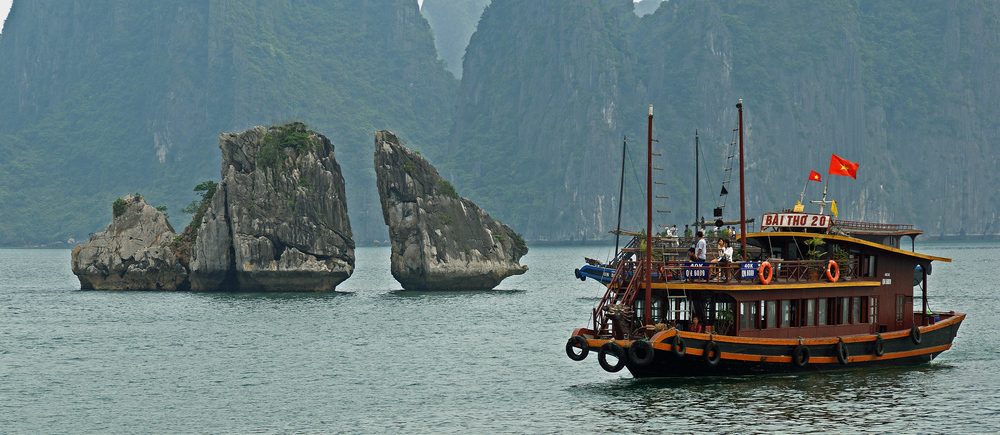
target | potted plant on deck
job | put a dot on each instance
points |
(814, 253)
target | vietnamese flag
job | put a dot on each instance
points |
(814, 176)
(839, 166)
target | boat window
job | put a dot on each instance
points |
(821, 312)
(724, 320)
(748, 315)
(656, 312)
(868, 268)
(873, 309)
(843, 307)
(856, 311)
(900, 299)
(639, 307)
(771, 314)
(786, 312)
(810, 312)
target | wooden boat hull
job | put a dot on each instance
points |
(739, 356)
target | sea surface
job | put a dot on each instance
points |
(371, 358)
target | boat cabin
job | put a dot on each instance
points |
(797, 282)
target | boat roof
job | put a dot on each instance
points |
(847, 239)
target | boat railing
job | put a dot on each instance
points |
(782, 271)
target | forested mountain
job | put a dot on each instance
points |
(453, 22)
(108, 97)
(905, 88)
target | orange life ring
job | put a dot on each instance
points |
(765, 279)
(663, 274)
(835, 274)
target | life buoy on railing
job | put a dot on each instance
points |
(765, 278)
(663, 274)
(832, 271)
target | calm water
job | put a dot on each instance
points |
(373, 359)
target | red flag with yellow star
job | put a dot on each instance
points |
(839, 166)
(814, 176)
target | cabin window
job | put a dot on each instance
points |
(810, 312)
(869, 265)
(843, 307)
(771, 314)
(873, 310)
(856, 311)
(786, 313)
(900, 299)
(748, 315)
(657, 310)
(821, 312)
(640, 314)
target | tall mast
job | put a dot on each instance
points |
(743, 201)
(697, 178)
(621, 197)
(648, 311)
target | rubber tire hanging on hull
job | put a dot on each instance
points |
(640, 353)
(915, 334)
(800, 356)
(842, 353)
(712, 354)
(614, 349)
(574, 342)
(679, 348)
(879, 345)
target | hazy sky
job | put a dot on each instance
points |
(4, 8)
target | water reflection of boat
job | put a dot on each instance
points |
(815, 293)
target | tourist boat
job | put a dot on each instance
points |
(814, 294)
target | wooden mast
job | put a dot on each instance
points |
(743, 203)
(648, 306)
(621, 196)
(697, 178)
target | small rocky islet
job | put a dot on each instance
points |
(278, 221)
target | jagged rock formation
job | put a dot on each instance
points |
(278, 221)
(439, 240)
(133, 253)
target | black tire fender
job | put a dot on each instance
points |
(615, 350)
(800, 356)
(678, 346)
(842, 353)
(641, 353)
(879, 345)
(575, 342)
(915, 334)
(712, 354)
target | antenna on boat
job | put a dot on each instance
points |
(648, 307)
(743, 206)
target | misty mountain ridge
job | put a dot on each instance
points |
(112, 99)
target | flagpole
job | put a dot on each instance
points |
(822, 204)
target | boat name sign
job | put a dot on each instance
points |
(796, 220)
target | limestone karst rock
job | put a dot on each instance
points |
(440, 241)
(133, 253)
(278, 221)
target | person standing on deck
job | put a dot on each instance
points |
(687, 232)
(702, 246)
